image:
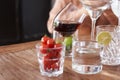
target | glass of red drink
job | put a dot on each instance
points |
(65, 25)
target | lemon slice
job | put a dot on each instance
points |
(104, 37)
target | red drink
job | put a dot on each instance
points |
(66, 28)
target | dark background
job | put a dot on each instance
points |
(23, 20)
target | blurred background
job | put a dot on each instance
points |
(23, 20)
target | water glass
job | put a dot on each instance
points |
(86, 57)
(111, 53)
(51, 60)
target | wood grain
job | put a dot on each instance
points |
(19, 62)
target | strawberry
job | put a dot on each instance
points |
(43, 48)
(44, 39)
(54, 66)
(58, 47)
(50, 43)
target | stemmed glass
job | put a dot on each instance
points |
(65, 24)
(95, 9)
(115, 6)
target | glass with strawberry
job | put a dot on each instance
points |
(50, 57)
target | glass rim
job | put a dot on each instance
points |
(109, 28)
(52, 59)
(103, 26)
(84, 42)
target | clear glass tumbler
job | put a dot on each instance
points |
(111, 42)
(86, 57)
(51, 60)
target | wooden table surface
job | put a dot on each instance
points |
(19, 62)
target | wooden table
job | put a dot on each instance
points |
(19, 62)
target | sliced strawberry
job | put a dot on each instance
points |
(58, 47)
(47, 64)
(43, 48)
(55, 66)
(52, 53)
(52, 56)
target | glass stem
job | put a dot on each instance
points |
(119, 21)
(93, 29)
(119, 13)
(118, 29)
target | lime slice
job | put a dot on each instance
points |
(68, 41)
(104, 37)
